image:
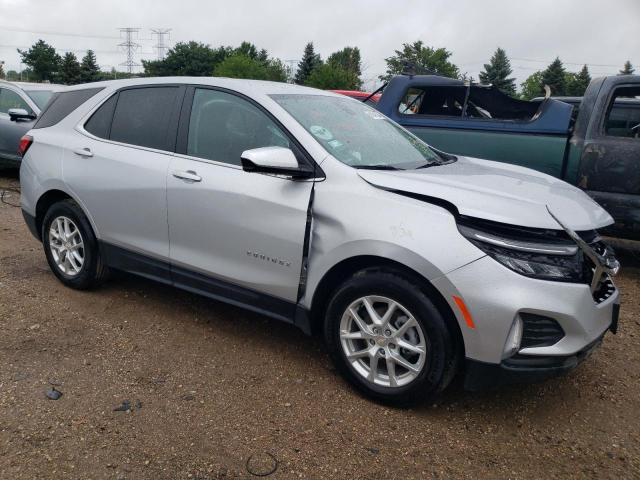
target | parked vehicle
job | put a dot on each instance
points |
(598, 150)
(20, 105)
(317, 210)
(358, 95)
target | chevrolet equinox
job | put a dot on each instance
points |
(317, 210)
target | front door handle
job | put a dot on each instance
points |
(83, 152)
(189, 175)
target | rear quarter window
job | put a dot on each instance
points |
(62, 104)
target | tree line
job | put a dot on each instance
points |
(341, 69)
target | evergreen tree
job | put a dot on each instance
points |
(421, 60)
(2, 75)
(43, 60)
(627, 69)
(89, 69)
(70, 69)
(497, 72)
(577, 83)
(555, 77)
(348, 59)
(310, 60)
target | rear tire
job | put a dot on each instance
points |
(411, 363)
(71, 247)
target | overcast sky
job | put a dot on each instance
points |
(602, 34)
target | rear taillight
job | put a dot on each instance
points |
(25, 143)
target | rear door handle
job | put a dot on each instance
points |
(83, 152)
(189, 175)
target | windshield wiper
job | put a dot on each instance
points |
(429, 164)
(376, 167)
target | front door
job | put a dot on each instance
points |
(610, 165)
(234, 234)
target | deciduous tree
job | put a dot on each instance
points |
(349, 60)
(330, 76)
(43, 60)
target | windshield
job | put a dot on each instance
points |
(356, 134)
(40, 97)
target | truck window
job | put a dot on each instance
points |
(449, 101)
(623, 113)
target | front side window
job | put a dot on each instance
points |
(222, 126)
(10, 99)
(142, 116)
(623, 113)
(356, 134)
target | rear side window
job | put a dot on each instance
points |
(142, 116)
(62, 104)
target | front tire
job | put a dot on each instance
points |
(388, 339)
(71, 247)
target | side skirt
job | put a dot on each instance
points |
(161, 271)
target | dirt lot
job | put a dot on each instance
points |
(216, 392)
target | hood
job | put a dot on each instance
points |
(499, 192)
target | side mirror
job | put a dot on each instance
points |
(274, 160)
(16, 114)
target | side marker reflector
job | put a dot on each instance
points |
(465, 312)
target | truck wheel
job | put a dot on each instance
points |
(388, 339)
(71, 247)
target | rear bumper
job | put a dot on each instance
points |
(30, 220)
(524, 368)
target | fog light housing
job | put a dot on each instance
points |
(512, 345)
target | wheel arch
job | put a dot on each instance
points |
(47, 199)
(346, 268)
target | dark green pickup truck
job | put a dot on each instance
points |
(594, 145)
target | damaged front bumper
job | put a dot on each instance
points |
(521, 369)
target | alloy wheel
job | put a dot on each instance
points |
(383, 341)
(66, 245)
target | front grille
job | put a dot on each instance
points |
(539, 331)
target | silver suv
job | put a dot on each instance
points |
(20, 105)
(315, 209)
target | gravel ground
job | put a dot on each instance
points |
(217, 392)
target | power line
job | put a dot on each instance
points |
(62, 34)
(129, 47)
(161, 45)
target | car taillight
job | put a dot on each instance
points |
(25, 143)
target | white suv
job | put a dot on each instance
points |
(317, 210)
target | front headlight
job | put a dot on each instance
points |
(548, 259)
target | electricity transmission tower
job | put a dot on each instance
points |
(129, 46)
(162, 45)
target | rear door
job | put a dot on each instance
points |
(610, 164)
(234, 234)
(10, 130)
(117, 164)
